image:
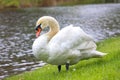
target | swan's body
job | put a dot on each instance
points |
(69, 45)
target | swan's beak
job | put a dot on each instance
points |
(38, 31)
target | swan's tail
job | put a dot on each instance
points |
(98, 54)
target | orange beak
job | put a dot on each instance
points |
(38, 32)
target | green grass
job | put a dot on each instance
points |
(80, 2)
(37, 3)
(106, 68)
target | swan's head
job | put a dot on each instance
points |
(44, 22)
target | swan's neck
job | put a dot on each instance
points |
(54, 28)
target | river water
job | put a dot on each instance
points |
(17, 31)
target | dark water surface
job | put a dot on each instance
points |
(17, 31)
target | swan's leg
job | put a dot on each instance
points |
(59, 68)
(67, 66)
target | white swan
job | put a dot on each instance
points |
(62, 47)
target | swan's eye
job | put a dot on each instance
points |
(39, 26)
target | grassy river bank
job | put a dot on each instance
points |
(43, 3)
(106, 68)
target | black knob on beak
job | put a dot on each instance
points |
(39, 26)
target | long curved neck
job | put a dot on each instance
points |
(54, 28)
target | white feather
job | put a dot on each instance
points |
(69, 45)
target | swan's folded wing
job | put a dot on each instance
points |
(68, 38)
